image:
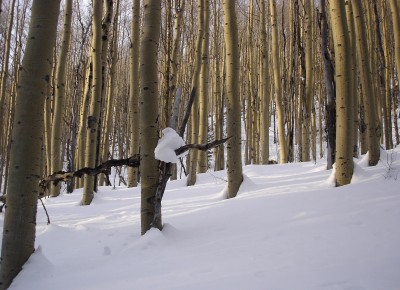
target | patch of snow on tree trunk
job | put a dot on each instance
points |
(170, 141)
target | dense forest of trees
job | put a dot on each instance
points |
(82, 83)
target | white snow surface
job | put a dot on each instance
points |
(288, 229)
(169, 142)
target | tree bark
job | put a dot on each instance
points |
(344, 111)
(369, 97)
(149, 109)
(134, 91)
(278, 86)
(234, 162)
(59, 98)
(394, 7)
(202, 165)
(92, 123)
(194, 119)
(25, 159)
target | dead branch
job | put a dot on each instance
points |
(105, 168)
(202, 147)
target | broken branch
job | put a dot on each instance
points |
(203, 147)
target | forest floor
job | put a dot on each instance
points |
(289, 228)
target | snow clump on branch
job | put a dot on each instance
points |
(165, 150)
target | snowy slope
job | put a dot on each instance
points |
(288, 229)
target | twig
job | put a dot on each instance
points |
(45, 210)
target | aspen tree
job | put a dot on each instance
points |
(5, 76)
(110, 92)
(309, 85)
(387, 77)
(203, 89)
(265, 99)
(234, 162)
(194, 119)
(353, 75)
(278, 86)
(3, 84)
(92, 123)
(59, 98)
(105, 38)
(81, 142)
(25, 158)
(395, 10)
(344, 154)
(218, 95)
(249, 92)
(149, 109)
(134, 92)
(369, 98)
(175, 62)
(16, 66)
(329, 82)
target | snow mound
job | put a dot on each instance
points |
(170, 141)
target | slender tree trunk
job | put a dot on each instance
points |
(309, 85)
(394, 7)
(204, 90)
(134, 92)
(59, 99)
(92, 124)
(353, 73)
(344, 111)
(81, 148)
(111, 90)
(278, 86)
(25, 159)
(149, 109)
(234, 165)
(5, 76)
(194, 119)
(367, 84)
(265, 99)
(175, 62)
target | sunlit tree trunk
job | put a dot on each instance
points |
(204, 89)
(134, 92)
(278, 86)
(149, 109)
(59, 98)
(194, 119)
(92, 123)
(81, 143)
(234, 165)
(265, 99)
(344, 111)
(367, 84)
(309, 85)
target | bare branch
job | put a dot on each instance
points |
(202, 147)
(105, 168)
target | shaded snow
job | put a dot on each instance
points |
(288, 229)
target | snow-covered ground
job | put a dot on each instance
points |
(289, 228)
